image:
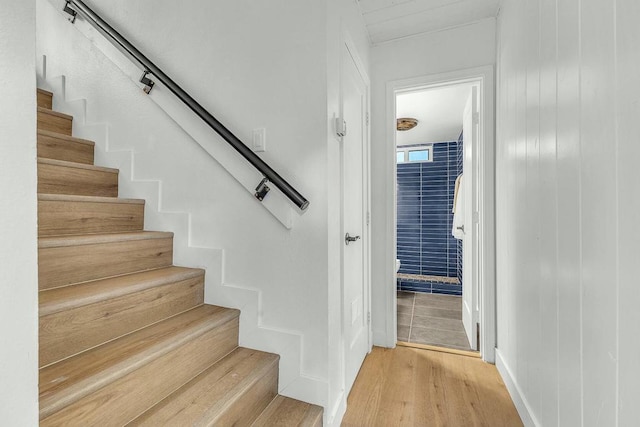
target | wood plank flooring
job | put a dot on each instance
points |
(414, 387)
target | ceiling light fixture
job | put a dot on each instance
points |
(406, 123)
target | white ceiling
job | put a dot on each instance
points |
(393, 19)
(439, 113)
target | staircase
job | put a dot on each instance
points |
(125, 336)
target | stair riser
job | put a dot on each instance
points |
(50, 147)
(124, 399)
(69, 332)
(59, 266)
(55, 179)
(54, 123)
(71, 217)
(45, 100)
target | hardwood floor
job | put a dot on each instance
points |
(414, 387)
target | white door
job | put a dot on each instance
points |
(470, 241)
(355, 289)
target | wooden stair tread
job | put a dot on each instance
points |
(69, 297)
(76, 178)
(54, 121)
(92, 239)
(71, 379)
(210, 396)
(54, 113)
(62, 215)
(284, 411)
(44, 92)
(76, 165)
(78, 317)
(76, 258)
(65, 137)
(88, 199)
(55, 145)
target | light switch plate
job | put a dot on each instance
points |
(259, 140)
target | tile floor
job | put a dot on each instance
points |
(431, 319)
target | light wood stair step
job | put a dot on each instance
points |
(54, 121)
(64, 260)
(44, 98)
(60, 214)
(285, 412)
(114, 383)
(76, 318)
(234, 391)
(63, 177)
(53, 145)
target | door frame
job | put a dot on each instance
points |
(349, 47)
(485, 77)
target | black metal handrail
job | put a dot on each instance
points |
(150, 68)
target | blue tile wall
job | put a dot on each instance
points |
(425, 245)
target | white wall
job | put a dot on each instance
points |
(434, 53)
(18, 218)
(567, 195)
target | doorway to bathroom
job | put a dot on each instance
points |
(443, 291)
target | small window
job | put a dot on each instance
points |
(419, 156)
(414, 154)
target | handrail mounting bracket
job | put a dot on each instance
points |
(72, 13)
(147, 82)
(262, 189)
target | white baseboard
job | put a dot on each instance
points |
(333, 415)
(519, 400)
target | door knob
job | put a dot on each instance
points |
(348, 239)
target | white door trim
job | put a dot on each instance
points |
(485, 76)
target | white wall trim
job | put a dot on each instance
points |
(487, 294)
(339, 408)
(521, 403)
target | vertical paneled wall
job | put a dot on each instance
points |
(567, 194)
(425, 200)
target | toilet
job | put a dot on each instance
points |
(397, 265)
